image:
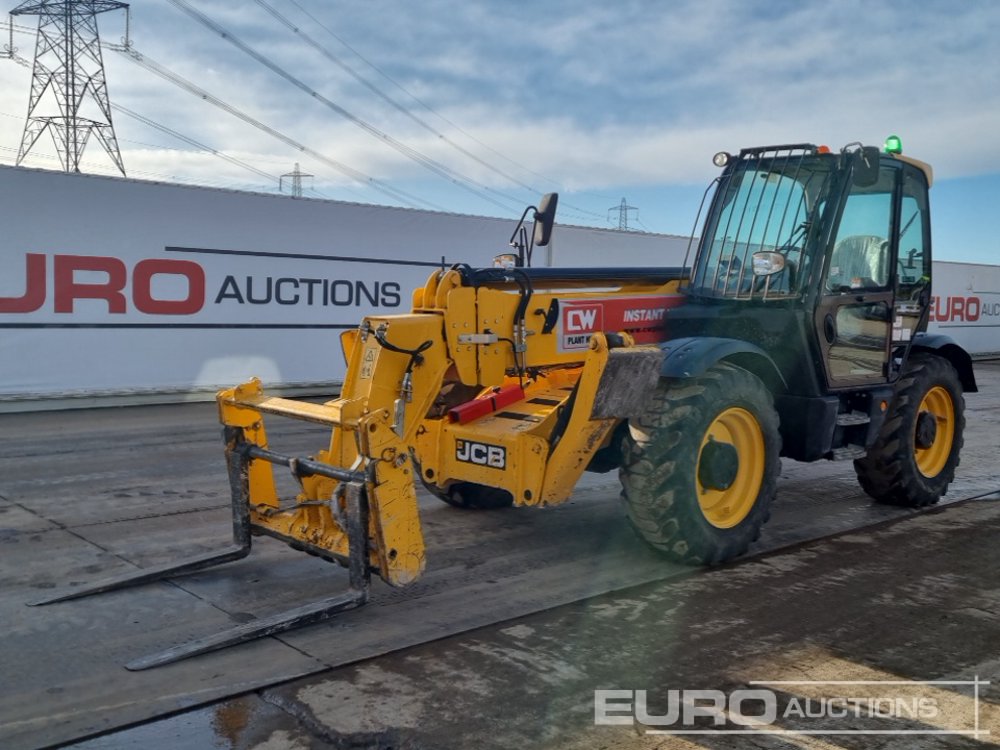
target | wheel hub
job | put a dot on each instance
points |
(926, 432)
(719, 465)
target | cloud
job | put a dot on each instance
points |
(589, 95)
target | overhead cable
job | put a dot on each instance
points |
(385, 97)
(192, 142)
(417, 99)
(350, 71)
(484, 192)
(396, 194)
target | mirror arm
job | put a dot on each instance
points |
(519, 239)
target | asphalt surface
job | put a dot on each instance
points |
(908, 601)
(89, 493)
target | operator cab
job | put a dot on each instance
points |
(822, 259)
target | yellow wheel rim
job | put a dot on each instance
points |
(725, 508)
(932, 459)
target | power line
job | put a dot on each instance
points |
(192, 142)
(180, 136)
(415, 98)
(10, 52)
(399, 195)
(583, 213)
(446, 173)
(396, 194)
(18, 27)
(404, 110)
(37, 156)
(385, 97)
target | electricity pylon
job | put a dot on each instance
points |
(622, 210)
(69, 68)
(295, 177)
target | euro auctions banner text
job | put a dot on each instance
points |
(97, 288)
(189, 317)
(116, 286)
(111, 286)
(966, 305)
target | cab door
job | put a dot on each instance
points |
(855, 314)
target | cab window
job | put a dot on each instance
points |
(914, 263)
(862, 251)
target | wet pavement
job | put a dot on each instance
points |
(86, 494)
(910, 600)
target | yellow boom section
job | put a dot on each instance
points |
(404, 374)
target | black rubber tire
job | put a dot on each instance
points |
(466, 495)
(889, 472)
(661, 454)
(472, 496)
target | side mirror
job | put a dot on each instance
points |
(866, 166)
(545, 218)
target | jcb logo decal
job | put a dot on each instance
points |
(481, 454)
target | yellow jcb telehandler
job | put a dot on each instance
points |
(798, 330)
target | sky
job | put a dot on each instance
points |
(480, 106)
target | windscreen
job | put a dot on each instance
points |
(764, 203)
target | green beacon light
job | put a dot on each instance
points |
(893, 145)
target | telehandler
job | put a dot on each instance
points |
(798, 330)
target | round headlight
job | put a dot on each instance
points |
(767, 263)
(505, 261)
(721, 159)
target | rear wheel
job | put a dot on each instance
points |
(914, 457)
(700, 466)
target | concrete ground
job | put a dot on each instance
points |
(915, 599)
(522, 615)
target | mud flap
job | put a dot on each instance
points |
(629, 377)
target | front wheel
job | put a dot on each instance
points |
(914, 457)
(700, 466)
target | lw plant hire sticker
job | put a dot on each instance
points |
(579, 323)
(641, 316)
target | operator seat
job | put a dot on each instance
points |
(859, 261)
